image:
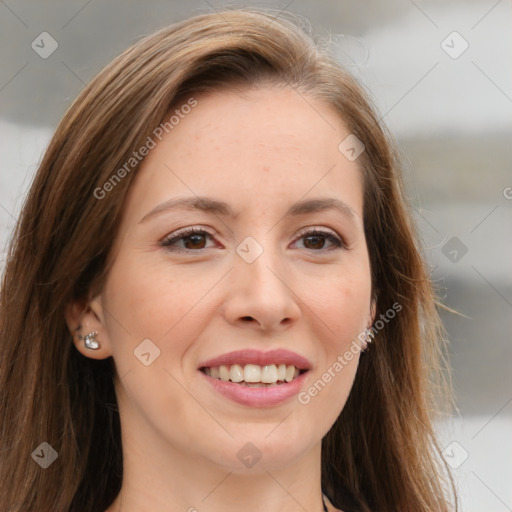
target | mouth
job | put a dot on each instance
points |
(257, 379)
(254, 375)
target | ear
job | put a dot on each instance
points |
(83, 317)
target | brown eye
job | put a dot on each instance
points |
(195, 241)
(315, 240)
(192, 239)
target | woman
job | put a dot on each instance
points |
(214, 298)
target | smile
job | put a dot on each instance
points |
(255, 378)
(253, 375)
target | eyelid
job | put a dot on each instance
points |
(189, 230)
(319, 229)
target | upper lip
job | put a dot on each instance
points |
(248, 356)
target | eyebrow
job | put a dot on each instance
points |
(210, 205)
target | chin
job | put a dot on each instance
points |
(258, 450)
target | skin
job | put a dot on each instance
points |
(260, 151)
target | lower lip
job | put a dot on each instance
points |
(257, 397)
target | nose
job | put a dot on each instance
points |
(260, 295)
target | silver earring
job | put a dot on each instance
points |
(369, 335)
(91, 342)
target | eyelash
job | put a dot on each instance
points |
(187, 232)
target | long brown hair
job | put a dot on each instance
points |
(381, 454)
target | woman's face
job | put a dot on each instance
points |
(186, 316)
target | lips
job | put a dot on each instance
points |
(256, 378)
(243, 357)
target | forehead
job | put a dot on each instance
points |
(261, 146)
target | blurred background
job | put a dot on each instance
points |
(440, 73)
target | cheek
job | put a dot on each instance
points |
(342, 307)
(134, 296)
(148, 300)
(144, 297)
(342, 302)
(347, 311)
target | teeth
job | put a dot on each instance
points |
(236, 373)
(269, 374)
(290, 372)
(253, 375)
(223, 373)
